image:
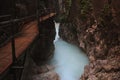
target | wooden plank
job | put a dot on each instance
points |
(21, 43)
(29, 32)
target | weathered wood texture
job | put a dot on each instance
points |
(28, 34)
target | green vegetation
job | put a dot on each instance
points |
(85, 6)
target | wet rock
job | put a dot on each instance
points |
(104, 57)
(42, 49)
(100, 41)
(46, 72)
(68, 33)
(51, 75)
(41, 72)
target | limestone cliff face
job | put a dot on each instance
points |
(99, 37)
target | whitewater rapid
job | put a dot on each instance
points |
(68, 59)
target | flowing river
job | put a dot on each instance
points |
(68, 59)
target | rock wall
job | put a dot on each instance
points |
(99, 36)
(43, 47)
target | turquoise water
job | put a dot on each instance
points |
(69, 60)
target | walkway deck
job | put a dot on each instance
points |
(27, 36)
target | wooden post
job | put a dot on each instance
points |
(13, 40)
(12, 31)
(38, 14)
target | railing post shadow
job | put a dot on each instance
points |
(13, 44)
(14, 59)
(38, 15)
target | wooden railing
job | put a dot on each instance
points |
(11, 23)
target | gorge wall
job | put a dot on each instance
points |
(97, 33)
(43, 47)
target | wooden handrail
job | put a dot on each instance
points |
(32, 32)
(47, 16)
(16, 20)
(2, 24)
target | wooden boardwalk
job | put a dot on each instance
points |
(28, 34)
